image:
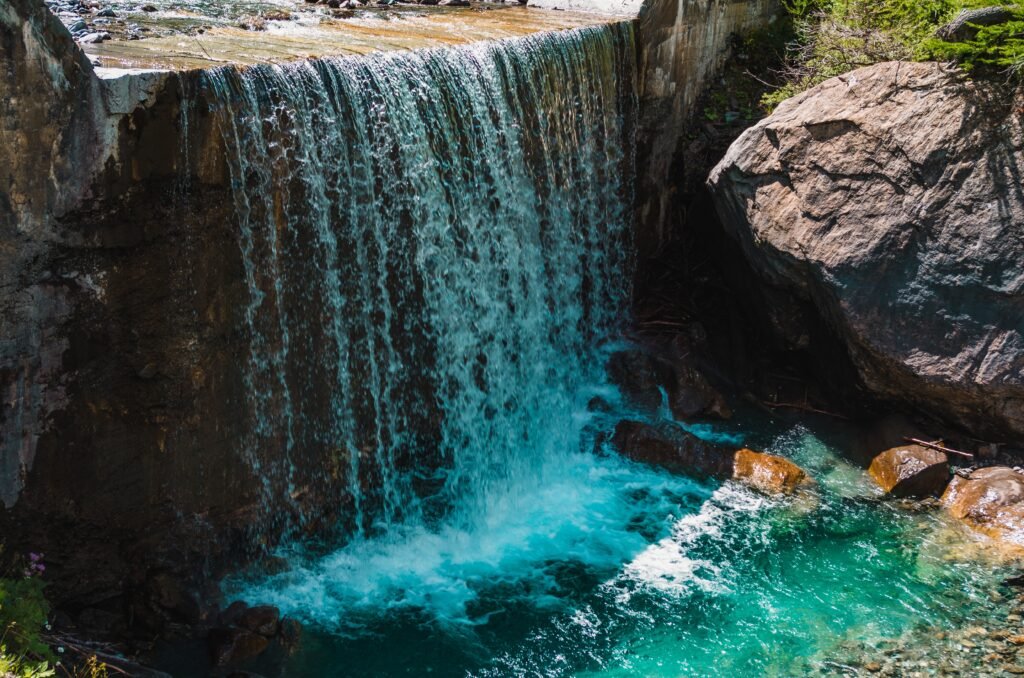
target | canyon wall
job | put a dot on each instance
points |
(683, 44)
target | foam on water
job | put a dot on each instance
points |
(585, 509)
(607, 568)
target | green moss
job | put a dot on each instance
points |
(837, 36)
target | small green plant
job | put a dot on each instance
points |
(24, 651)
(836, 36)
(23, 613)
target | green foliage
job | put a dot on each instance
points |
(994, 48)
(20, 667)
(23, 611)
(23, 614)
(837, 36)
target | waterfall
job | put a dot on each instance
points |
(433, 244)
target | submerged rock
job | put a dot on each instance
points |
(911, 471)
(768, 473)
(261, 619)
(991, 501)
(671, 447)
(234, 645)
(890, 198)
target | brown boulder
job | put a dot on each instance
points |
(911, 471)
(290, 634)
(692, 395)
(639, 376)
(670, 447)
(768, 473)
(890, 199)
(991, 501)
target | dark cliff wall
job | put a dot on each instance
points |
(683, 45)
(119, 423)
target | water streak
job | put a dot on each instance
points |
(433, 242)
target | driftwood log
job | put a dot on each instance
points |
(965, 26)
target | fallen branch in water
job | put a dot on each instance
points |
(936, 446)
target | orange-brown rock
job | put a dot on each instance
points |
(768, 473)
(911, 471)
(990, 501)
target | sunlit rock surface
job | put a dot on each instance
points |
(911, 471)
(991, 501)
(891, 198)
(769, 473)
(360, 32)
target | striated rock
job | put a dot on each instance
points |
(989, 500)
(682, 46)
(911, 471)
(670, 447)
(768, 473)
(891, 199)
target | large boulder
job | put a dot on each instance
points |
(892, 198)
(769, 473)
(989, 500)
(911, 471)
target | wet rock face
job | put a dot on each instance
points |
(672, 448)
(648, 379)
(911, 471)
(891, 198)
(768, 473)
(991, 501)
(119, 308)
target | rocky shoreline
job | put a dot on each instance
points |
(92, 21)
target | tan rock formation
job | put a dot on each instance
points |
(911, 471)
(768, 473)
